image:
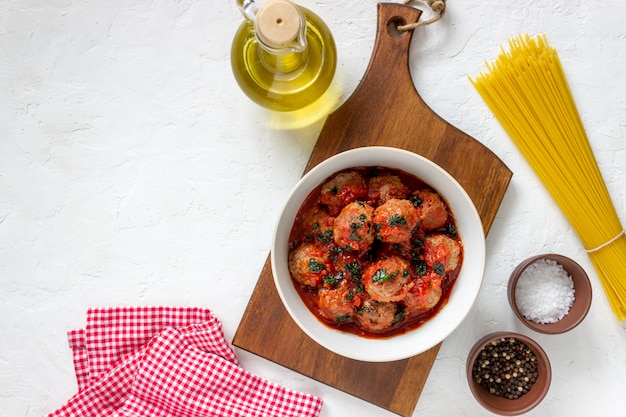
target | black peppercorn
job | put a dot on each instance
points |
(506, 367)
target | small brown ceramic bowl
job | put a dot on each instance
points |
(582, 295)
(501, 405)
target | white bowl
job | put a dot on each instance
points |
(464, 291)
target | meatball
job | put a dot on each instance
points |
(336, 303)
(388, 280)
(343, 189)
(385, 187)
(353, 227)
(442, 249)
(432, 210)
(308, 264)
(424, 295)
(374, 316)
(317, 224)
(395, 221)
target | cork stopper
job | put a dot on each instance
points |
(278, 23)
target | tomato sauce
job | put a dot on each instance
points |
(391, 284)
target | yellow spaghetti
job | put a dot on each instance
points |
(527, 91)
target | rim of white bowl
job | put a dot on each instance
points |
(464, 291)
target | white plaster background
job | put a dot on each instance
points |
(134, 171)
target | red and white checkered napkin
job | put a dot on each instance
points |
(166, 361)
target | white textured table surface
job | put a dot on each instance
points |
(133, 171)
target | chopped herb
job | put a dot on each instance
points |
(367, 309)
(382, 276)
(396, 220)
(315, 226)
(356, 279)
(405, 273)
(439, 269)
(342, 319)
(398, 317)
(418, 243)
(334, 190)
(361, 222)
(336, 249)
(315, 266)
(352, 293)
(355, 236)
(354, 268)
(326, 237)
(334, 253)
(421, 268)
(451, 230)
(416, 200)
(333, 279)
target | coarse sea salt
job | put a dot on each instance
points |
(544, 292)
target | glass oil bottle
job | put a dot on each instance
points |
(283, 57)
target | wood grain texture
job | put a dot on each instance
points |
(384, 110)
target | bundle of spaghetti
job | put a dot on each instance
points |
(528, 93)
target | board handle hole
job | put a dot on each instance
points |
(392, 26)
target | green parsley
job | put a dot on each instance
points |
(382, 276)
(398, 317)
(396, 220)
(325, 237)
(416, 200)
(354, 268)
(421, 268)
(315, 266)
(342, 319)
(365, 308)
(418, 243)
(331, 279)
(352, 293)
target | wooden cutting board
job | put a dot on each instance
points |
(384, 110)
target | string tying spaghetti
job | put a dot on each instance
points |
(605, 244)
(438, 6)
(527, 91)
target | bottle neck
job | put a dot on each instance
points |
(280, 29)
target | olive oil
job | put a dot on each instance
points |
(285, 78)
